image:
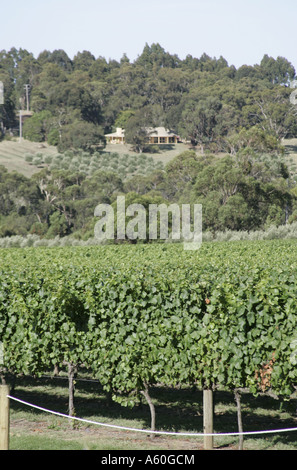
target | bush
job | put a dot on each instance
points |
(37, 161)
(81, 135)
(35, 128)
(53, 137)
(48, 159)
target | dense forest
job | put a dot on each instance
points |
(234, 120)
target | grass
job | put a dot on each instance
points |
(177, 410)
(13, 152)
(165, 154)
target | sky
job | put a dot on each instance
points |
(241, 31)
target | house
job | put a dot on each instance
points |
(160, 135)
(117, 137)
(157, 135)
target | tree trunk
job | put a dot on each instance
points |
(12, 384)
(109, 401)
(2, 377)
(146, 394)
(239, 417)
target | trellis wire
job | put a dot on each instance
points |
(148, 431)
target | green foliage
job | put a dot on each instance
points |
(278, 70)
(88, 163)
(200, 120)
(224, 316)
(123, 117)
(203, 99)
(81, 135)
(37, 127)
(53, 137)
(136, 132)
(58, 225)
(243, 192)
(245, 113)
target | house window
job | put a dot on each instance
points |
(171, 140)
(155, 140)
(162, 140)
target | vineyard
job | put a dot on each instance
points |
(137, 316)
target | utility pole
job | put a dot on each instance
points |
(1, 93)
(27, 88)
(21, 125)
(1, 103)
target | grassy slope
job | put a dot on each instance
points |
(163, 156)
(12, 153)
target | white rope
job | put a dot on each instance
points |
(148, 431)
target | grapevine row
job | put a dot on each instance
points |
(136, 316)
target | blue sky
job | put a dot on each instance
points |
(241, 31)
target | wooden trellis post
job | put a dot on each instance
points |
(208, 418)
(4, 417)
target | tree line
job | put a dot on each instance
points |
(243, 193)
(242, 114)
(206, 100)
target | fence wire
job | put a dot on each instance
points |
(148, 431)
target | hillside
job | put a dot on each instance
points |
(291, 153)
(13, 153)
(75, 103)
(236, 194)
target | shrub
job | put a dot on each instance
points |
(48, 159)
(29, 158)
(53, 137)
(37, 161)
